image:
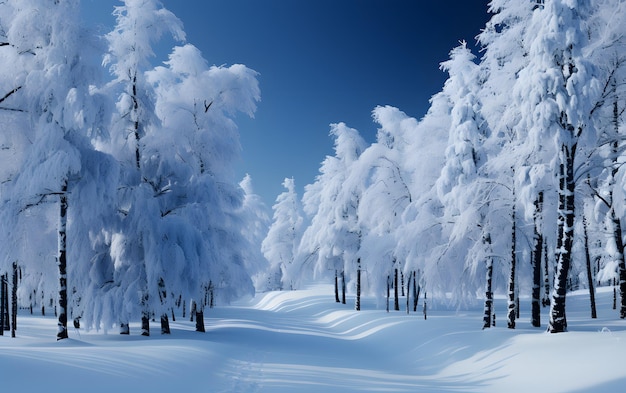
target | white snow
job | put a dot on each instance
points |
(302, 341)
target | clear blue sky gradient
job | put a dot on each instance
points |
(320, 62)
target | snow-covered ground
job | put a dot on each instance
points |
(301, 341)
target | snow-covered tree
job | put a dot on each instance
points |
(61, 115)
(559, 89)
(606, 49)
(139, 25)
(256, 222)
(461, 187)
(280, 245)
(328, 243)
(379, 173)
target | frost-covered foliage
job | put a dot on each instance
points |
(331, 241)
(142, 157)
(283, 237)
(512, 137)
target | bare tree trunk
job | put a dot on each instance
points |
(592, 295)
(200, 320)
(145, 323)
(336, 286)
(488, 291)
(62, 263)
(511, 303)
(343, 287)
(416, 292)
(357, 303)
(615, 220)
(566, 215)
(535, 314)
(124, 328)
(546, 275)
(396, 301)
(136, 124)
(14, 301)
(165, 324)
(3, 295)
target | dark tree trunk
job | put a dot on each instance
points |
(402, 282)
(592, 294)
(343, 287)
(200, 320)
(511, 303)
(145, 323)
(488, 291)
(192, 312)
(165, 324)
(14, 301)
(615, 220)
(614, 294)
(566, 215)
(416, 292)
(546, 275)
(535, 313)
(136, 124)
(124, 328)
(617, 236)
(396, 301)
(336, 286)
(425, 305)
(3, 295)
(357, 303)
(62, 264)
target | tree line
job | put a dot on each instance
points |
(512, 181)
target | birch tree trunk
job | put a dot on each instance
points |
(511, 292)
(535, 314)
(546, 275)
(396, 301)
(488, 291)
(592, 295)
(14, 301)
(2, 304)
(343, 287)
(416, 292)
(357, 303)
(165, 324)
(565, 240)
(615, 220)
(336, 286)
(62, 263)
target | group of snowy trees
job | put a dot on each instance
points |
(118, 199)
(119, 204)
(512, 181)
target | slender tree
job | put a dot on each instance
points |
(537, 252)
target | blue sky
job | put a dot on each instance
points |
(320, 62)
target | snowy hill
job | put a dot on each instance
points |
(303, 341)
